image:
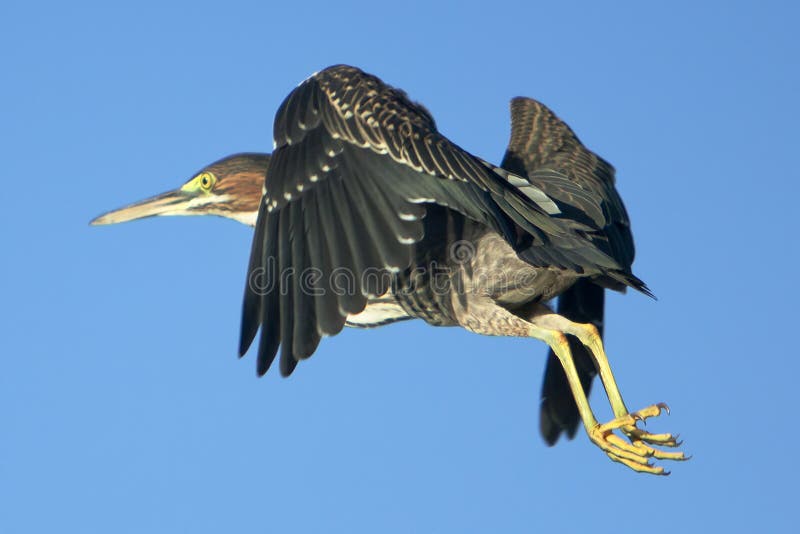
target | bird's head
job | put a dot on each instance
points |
(230, 187)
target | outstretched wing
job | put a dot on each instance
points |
(355, 163)
(547, 152)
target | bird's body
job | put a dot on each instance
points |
(368, 215)
(355, 154)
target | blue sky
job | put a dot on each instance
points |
(124, 408)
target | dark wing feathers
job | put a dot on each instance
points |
(333, 222)
(305, 336)
(547, 152)
(268, 312)
(356, 163)
(369, 114)
(286, 276)
(251, 308)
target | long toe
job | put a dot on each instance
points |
(636, 452)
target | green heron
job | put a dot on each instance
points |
(370, 215)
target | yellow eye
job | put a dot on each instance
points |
(206, 181)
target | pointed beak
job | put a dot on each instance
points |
(170, 203)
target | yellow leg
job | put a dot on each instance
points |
(590, 337)
(634, 455)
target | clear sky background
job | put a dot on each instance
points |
(124, 408)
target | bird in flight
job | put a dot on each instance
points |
(368, 215)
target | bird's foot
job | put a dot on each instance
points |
(637, 453)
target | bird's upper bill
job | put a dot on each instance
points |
(178, 202)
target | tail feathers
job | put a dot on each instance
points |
(582, 303)
(630, 280)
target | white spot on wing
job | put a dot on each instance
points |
(528, 189)
(516, 181)
(542, 200)
(377, 313)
